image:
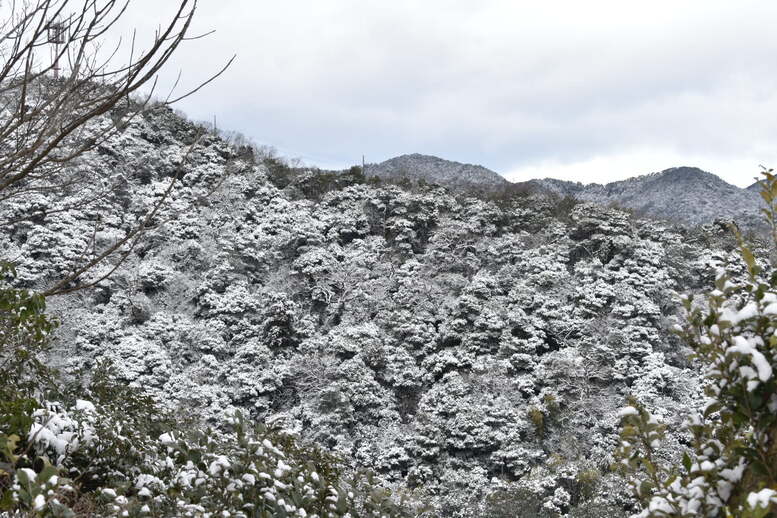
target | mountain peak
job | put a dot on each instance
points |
(454, 175)
(686, 171)
(686, 174)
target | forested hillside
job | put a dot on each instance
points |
(472, 352)
(685, 195)
(462, 178)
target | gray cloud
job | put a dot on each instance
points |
(572, 89)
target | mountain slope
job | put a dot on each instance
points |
(680, 194)
(454, 175)
(756, 187)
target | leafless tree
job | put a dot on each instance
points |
(45, 119)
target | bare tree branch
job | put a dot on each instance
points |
(47, 123)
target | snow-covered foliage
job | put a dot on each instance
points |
(470, 352)
(729, 468)
(118, 454)
(683, 194)
(145, 462)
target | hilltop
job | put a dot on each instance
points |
(431, 169)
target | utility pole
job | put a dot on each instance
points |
(56, 34)
(364, 167)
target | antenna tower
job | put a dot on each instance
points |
(56, 33)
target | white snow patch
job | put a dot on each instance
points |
(762, 498)
(39, 503)
(85, 406)
(748, 347)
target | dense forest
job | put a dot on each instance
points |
(285, 340)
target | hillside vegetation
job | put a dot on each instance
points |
(341, 344)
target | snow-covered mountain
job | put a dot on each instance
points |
(454, 175)
(681, 194)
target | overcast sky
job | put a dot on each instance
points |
(590, 91)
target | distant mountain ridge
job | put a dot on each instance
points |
(454, 175)
(680, 194)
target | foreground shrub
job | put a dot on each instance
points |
(116, 457)
(248, 470)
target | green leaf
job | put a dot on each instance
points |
(6, 501)
(759, 468)
(711, 409)
(47, 472)
(747, 255)
(646, 488)
(687, 462)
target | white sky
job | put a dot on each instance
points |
(590, 91)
